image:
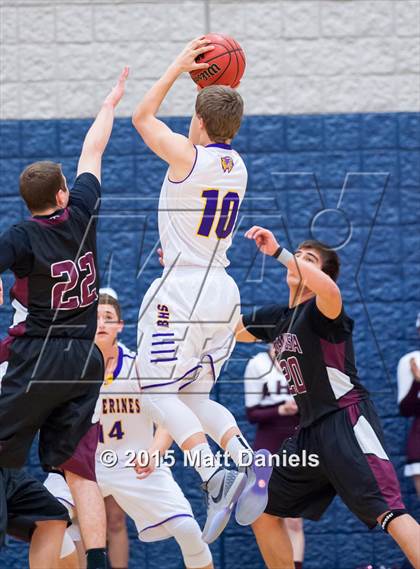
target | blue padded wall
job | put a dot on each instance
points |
(300, 169)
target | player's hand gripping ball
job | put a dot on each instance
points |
(226, 63)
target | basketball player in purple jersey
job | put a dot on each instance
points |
(55, 371)
(314, 348)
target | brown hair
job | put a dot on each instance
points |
(330, 259)
(107, 299)
(221, 109)
(39, 184)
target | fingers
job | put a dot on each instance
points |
(196, 53)
(198, 42)
(143, 473)
(1, 292)
(124, 74)
(251, 232)
(203, 49)
(199, 66)
(257, 234)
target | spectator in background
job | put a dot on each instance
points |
(409, 403)
(270, 406)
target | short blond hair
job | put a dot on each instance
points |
(221, 109)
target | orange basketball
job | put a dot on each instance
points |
(226, 63)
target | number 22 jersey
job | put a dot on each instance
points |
(197, 215)
(314, 353)
(53, 259)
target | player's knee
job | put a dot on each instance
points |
(187, 533)
(115, 523)
(294, 524)
(386, 519)
(206, 410)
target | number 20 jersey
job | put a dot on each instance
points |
(197, 216)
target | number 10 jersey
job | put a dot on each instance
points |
(197, 215)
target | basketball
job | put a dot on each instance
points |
(226, 63)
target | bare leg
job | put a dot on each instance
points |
(90, 510)
(211, 566)
(45, 548)
(273, 542)
(193, 441)
(294, 528)
(116, 533)
(406, 532)
(81, 554)
(233, 431)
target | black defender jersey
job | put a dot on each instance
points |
(54, 261)
(315, 354)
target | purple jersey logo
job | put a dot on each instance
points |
(227, 164)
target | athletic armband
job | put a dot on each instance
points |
(283, 256)
(389, 516)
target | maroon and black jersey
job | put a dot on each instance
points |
(54, 261)
(315, 354)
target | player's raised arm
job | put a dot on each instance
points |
(177, 150)
(328, 296)
(99, 133)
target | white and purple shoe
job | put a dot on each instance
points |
(222, 492)
(253, 500)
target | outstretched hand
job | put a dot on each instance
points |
(186, 60)
(117, 92)
(264, 239)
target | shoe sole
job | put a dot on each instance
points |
(256, 494)
(221, 519)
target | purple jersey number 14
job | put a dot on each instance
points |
(227, 217)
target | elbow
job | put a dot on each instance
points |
(136, 121)
(334, 291)
(138, 118)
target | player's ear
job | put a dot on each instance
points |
(200, 122)
(121, 326)
(61, 197)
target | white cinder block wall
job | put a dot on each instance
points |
(58, 59)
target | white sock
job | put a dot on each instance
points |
(239, 451)
(203, 460)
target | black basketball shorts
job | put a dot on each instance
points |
(352, 463)
(23, 502)
(52, 387)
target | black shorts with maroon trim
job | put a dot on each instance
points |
(51, 386)
(23, 502)
(352, 464)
